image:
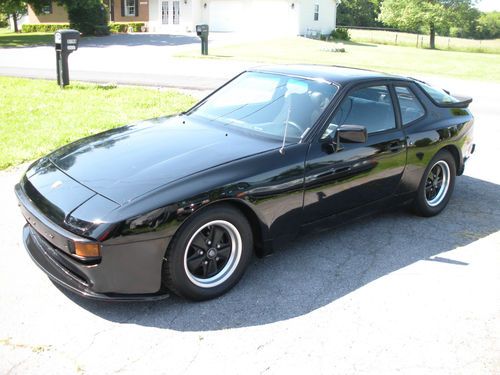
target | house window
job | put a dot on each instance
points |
(47, 9)
(316, 12)
(175, 12)
(164, 12)
(130, 9)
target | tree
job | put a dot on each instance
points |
(13, 8)
(87, 16)
(488, 25)
(358, 12)
(432, 14)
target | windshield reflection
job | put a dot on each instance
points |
(267, 103)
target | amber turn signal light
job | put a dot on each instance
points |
(87, 249)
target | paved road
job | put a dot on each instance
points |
(389, 294)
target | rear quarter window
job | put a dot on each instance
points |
(439, 96)
(409, 105)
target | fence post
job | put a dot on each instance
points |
(418, 36)
(396, 42)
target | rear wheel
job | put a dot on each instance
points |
(437, 185)
(209, 254)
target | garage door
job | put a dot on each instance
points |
(256, 16)
(226, 15)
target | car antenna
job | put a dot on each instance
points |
(282, 149)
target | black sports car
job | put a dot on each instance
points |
(180, 203)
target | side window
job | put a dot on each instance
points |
(410, 106)
(370, 107)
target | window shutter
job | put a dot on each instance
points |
(137, 8)
(123, 7)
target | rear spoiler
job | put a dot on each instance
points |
(461, 103)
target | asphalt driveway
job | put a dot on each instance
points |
(392, 293)
(145, 59)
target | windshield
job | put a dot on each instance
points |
(268, 103)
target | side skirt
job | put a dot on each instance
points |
(382, 205)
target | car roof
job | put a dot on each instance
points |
(335, 74)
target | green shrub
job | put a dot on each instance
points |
(457, 32)
(90, 17)
(3, 20)
(122, 27)
(341, 34)
(43, 27)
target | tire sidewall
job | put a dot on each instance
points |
(421, 205)
(178, 281)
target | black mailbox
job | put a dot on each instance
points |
(66, 42)
(202, 31)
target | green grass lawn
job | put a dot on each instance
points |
(10, 39)
(36, 116)
(394, 59)
(408, 39)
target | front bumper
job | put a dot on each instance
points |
(66, 273)
(127, 271)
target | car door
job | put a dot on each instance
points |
(348, 175)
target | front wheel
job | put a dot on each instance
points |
(209, 254)
(437, 185)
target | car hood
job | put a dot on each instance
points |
(127, 162)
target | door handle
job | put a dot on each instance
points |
(333, 171)
(395, 146)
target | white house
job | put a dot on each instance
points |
(288, 17)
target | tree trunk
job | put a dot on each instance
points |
(432, 43)
(14, 20)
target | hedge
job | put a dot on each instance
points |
(122, 27)
(341, 33)
(114, 27)
(43, 27)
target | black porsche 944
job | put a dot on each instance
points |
(181, 203)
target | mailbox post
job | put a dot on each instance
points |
(202, 32)
(66, 42)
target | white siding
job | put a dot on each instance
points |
(274, 16)
(154, 13)
(327, 16)
(270, 17)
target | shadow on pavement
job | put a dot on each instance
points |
(317, 269)
(133, 40)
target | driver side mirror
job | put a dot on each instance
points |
(346, 134)
(352, 134)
